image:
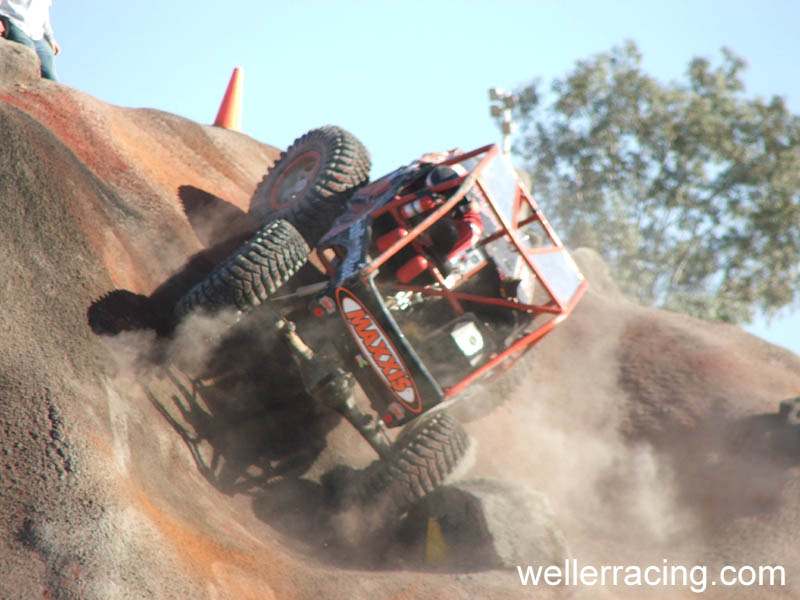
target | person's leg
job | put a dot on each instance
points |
(47, 58)
(41, 47)
(15, 34)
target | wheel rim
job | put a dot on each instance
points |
(297, 177)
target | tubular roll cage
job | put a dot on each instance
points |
(558, 309)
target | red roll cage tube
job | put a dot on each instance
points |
(556, 308)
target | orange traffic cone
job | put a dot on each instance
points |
(230, 111)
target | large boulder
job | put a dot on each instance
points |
(484, 524)
(19, 65)
(133, 466)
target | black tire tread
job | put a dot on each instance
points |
(418, 464)
(346, 166)
(252, 274)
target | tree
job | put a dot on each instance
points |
(689, 190)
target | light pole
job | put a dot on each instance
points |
(500, 109)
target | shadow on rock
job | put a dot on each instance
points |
(219, 225)
(238, 403)
(357, 536)
(468, 526)
(212, 218)
(244, 415)
(301, 511)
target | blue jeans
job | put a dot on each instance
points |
(42, 48)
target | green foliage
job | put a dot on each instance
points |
(690, 190)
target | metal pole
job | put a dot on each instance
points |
(501, 111)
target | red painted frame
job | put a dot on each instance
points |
(557, 309)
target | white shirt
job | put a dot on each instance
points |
(31, 16)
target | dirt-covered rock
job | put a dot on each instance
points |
(484, 524)
(142, 461)
(19, 65)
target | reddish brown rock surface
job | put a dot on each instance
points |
(654, 436)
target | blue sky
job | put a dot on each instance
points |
(405, 77)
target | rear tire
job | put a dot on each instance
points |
(311, 181)
(252, 274)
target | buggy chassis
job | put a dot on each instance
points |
(416, 337)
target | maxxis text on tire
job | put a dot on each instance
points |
(309, 184)
(252, 274)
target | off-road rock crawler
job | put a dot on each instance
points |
(435, 277)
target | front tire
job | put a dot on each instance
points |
(252, 274)
(434, 451)
(309, 183)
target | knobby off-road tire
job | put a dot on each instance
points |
(421, 461)
(309, 184)
(252, 274)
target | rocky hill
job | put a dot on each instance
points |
(139, 466)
